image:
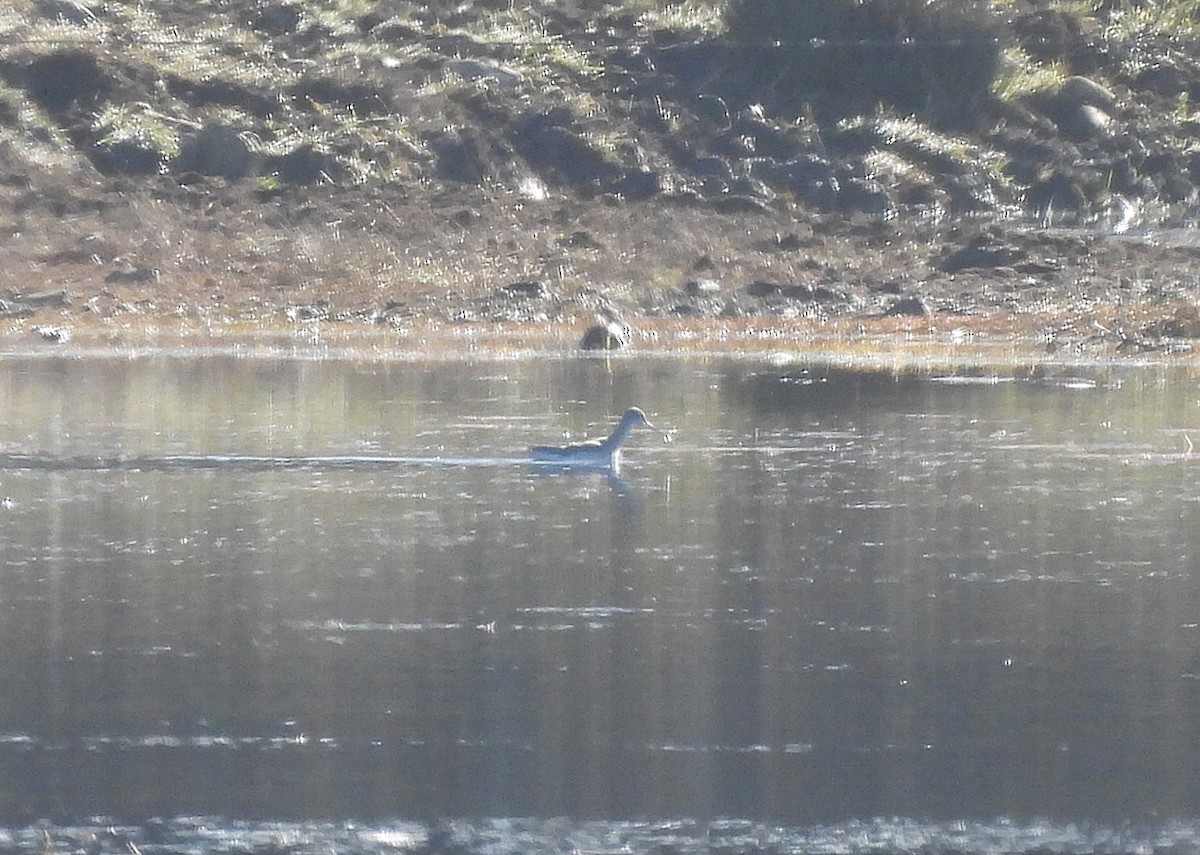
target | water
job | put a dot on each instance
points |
(267, 604)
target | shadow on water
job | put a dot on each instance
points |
(331, 606)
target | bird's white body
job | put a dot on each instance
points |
(594, 453)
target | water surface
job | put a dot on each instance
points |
(324, 593)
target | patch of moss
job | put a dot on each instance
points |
(135, 139)
(1020, 76)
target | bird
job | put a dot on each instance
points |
(593, 453)
(612, 333)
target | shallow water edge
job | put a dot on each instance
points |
(520, 836)
(930, 343)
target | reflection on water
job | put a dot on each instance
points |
(328, 591)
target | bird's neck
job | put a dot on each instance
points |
(614, 442)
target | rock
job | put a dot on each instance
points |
(763, 288)
(637, 184)
(303, 166)
(137, 276)
(129, 157)
(984, 253)
(216, 150)
(1082, 108)
(580, 239)
(801, 291)
(911, 305)
(278, 19)
(1080, 90)
(1083, 122)
(612, 333)
(526, 289)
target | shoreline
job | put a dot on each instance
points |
(902, 345)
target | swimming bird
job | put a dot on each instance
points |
(593, 453)
(612, 333)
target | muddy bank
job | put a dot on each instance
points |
(491, 275)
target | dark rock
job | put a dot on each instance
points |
(580, 240)
(137, 276)
(763, 288)
(1083, 122)
(638, 184)
(465, 218)
(789, 242)
(801, 291)
(912, 305)
(277, 19)
(1081, 108)
(129, 157)
(217, 150)
(526, 289)
(1083, 90)
(611, 333)
(302, 166)
(982, 253)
